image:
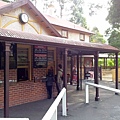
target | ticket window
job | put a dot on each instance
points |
(22, 74)
(52, 58)
(23, 63)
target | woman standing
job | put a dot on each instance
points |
(74, 75)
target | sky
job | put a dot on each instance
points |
(93, 21)
(98, 20)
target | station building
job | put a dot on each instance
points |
(35, 44)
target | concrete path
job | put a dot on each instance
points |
(108, 108)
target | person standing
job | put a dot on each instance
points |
(49, 82)
(59, 81)
(74, 74)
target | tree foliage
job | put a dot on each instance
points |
(114, 19)
(93, 8)
(77, 13)
(114, 37)
(114, 13)
(62, 5)
(97, 37)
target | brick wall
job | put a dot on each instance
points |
(38, 72)
(26, 91)
(12, 74)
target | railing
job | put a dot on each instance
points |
(14, 118)
(87, 84)
(52, 111)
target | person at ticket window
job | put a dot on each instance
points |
(49, 81)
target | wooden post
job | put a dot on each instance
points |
(116, 72)
(104, 63)
(100, 70)
(65, 69)
(56, 71)
(71, 80)
(65, 72)
(96, 75)
(77, 72)
(80, 72)
(6, 80)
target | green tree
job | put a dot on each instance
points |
(62, 5)
(93, 8)
(77, 13)
(97, 37)
(114, 13)
(113, 18)
(113, 37)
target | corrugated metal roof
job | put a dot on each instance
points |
(29, 38)
(66, 24)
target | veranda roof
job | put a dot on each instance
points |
(39, 39)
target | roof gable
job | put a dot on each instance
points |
(66, 24)
(27, 3)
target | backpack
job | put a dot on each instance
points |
(62, 75)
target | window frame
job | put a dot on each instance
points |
(63, 30)
(83, 37)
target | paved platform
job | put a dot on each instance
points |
(108, 108)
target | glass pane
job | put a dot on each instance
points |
(22, 56)
(51, 55)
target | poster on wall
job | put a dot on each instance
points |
(40, 56)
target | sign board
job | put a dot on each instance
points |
(40, 56)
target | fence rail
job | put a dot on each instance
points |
(52, 111)
(14, 118)
(87, 84)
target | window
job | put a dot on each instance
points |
(82, 37)
(50, 55)
(64, 33)
(22, 56)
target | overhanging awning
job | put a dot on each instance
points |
(35, 39)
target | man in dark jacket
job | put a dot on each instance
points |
(49, 82)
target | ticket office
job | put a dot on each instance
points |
(24, 58)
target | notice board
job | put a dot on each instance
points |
(40, 58)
